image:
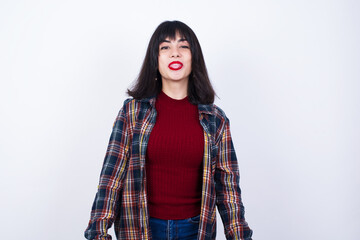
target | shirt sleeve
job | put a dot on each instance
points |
(111, 180)
(228, 193)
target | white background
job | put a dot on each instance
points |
(287, 74)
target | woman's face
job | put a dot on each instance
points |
(174, 59)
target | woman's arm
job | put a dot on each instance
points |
(111, 180)
(228, 193)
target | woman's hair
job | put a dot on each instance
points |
(149, 84)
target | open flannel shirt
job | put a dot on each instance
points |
(121, 198)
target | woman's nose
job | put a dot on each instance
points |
(175, 53)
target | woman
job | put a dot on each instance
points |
(170, 159)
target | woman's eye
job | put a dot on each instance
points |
(184, 46)
(164, 47)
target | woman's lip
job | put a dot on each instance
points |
(176, 65)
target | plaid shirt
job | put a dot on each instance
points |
(121, 198)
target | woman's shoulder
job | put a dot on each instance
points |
(219, 111)
(133, 106)
(214, 110)
(137, 102)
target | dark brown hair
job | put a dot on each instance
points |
(200, 89)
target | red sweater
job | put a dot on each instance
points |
(174, 160)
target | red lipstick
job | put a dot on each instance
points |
(176, 65)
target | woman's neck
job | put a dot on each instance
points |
(175, 90)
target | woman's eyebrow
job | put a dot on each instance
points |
(180, 40)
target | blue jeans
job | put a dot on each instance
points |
(186, 229)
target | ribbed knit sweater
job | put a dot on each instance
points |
(174, 160)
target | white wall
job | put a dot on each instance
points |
(287, 73)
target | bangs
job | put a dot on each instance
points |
(170, 30)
